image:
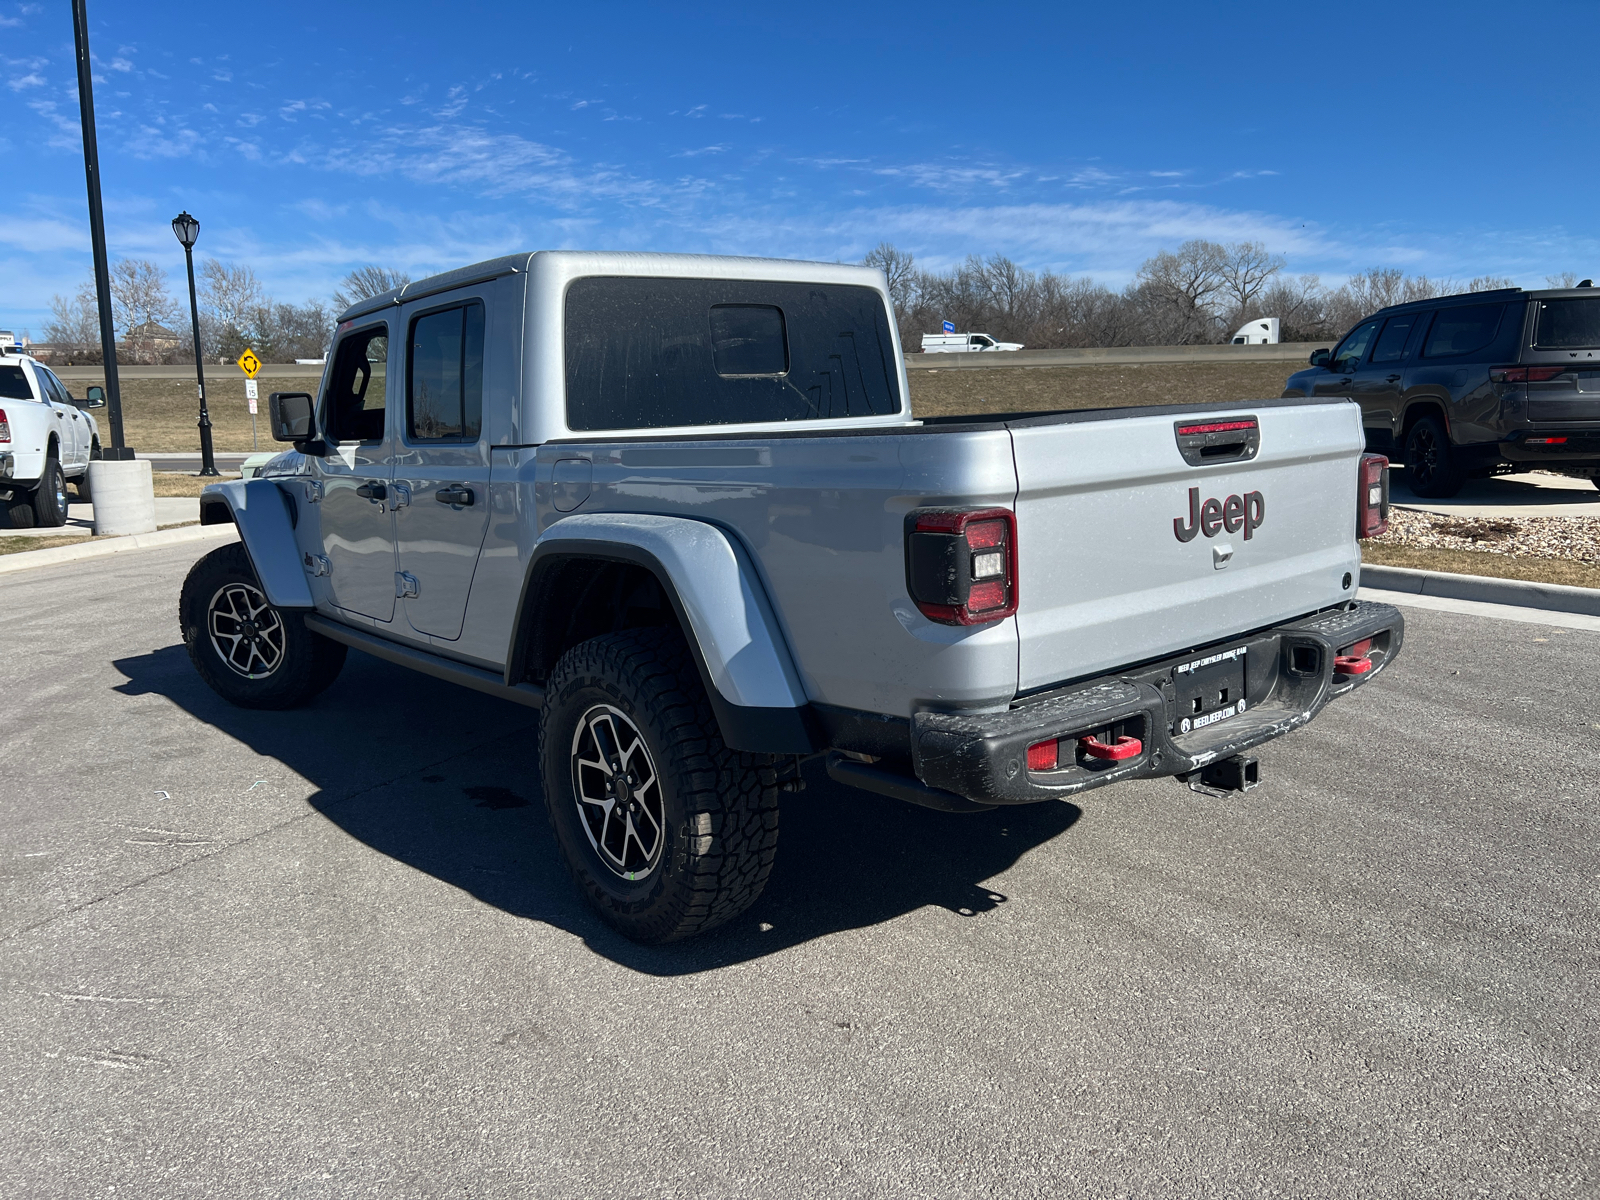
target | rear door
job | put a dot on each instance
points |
(1377, 383)
(65, 419)
(1129, 550)
(442, 461)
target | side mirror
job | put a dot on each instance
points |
(293, 418)
(1319, 358)
(95, 397)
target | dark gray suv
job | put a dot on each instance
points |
(1472, 385)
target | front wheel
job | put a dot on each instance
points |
(666, 831)
(1431, 469)
(251, 653)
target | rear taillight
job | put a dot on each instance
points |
(1372, 502)
(961, 566)
(1524, 374)
(5, 427)
(1547, 441)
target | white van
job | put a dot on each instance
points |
(963, 343)
(1263, 332)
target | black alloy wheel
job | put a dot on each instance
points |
(1431, 469)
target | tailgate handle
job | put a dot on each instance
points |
(1222, 439)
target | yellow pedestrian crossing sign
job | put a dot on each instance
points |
(249, 364)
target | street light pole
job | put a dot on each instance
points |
(187, 229)
(118, 450)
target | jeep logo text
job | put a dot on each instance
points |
(1248, 511)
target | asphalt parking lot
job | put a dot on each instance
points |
(332, 953)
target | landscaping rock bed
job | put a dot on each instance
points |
(1576, 539)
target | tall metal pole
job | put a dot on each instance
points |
(208, 463)
(97, 233)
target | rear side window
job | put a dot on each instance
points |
(14, 384)
(1568, 324)
(356, 386)
(1391, 345)
(1463, 330)
(444, 380)
(658, 353)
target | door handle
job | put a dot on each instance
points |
(456, 493)
(1392, 378)
(374, 491)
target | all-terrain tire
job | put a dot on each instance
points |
(50, 497)
(251, 653)
(717, 808)
(1431, 467)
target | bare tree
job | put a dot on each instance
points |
(1490, 283)
(1247, 268)
(900, 268)
(1177, 290)
(1564, 280)
(74, 324)
(230, 294)
(364, 282)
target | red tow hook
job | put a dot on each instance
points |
(1125, 747)
(1349, 664)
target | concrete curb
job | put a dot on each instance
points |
(1551, 597)
(100, 547)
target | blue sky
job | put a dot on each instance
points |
(1452, 139)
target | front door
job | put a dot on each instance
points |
(1347, 359)
(441, 480)
(357, 521)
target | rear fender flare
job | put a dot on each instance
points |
(743, 658)
(264, 515)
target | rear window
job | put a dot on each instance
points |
(14, 384)
(1463, 330)
(1568, 324)
(658, 353)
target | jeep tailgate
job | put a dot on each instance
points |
(1106, 581)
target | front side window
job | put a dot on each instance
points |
(14, 384)
(1391, 347)
(444, 377)
(355, 398)
(1568, 324)
(1463, 330)
(661, 353)
(1354, 347)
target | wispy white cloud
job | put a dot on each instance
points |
(32, 79)
(720, 148)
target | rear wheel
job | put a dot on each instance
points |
(1431, 469)
(251, 653)
(19, 511)
(50, 497)
(81, 483)
(667, 832)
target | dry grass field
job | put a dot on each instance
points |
(160, 414)
(961, 392)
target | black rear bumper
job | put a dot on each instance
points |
(1289, 676)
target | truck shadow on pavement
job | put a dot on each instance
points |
(444, 780)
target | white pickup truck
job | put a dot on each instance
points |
(47, 438)
(681, 505)
(964, 343)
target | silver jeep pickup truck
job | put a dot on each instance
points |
(680, 505)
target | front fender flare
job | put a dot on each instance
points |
(261, 511)
(744, 661)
